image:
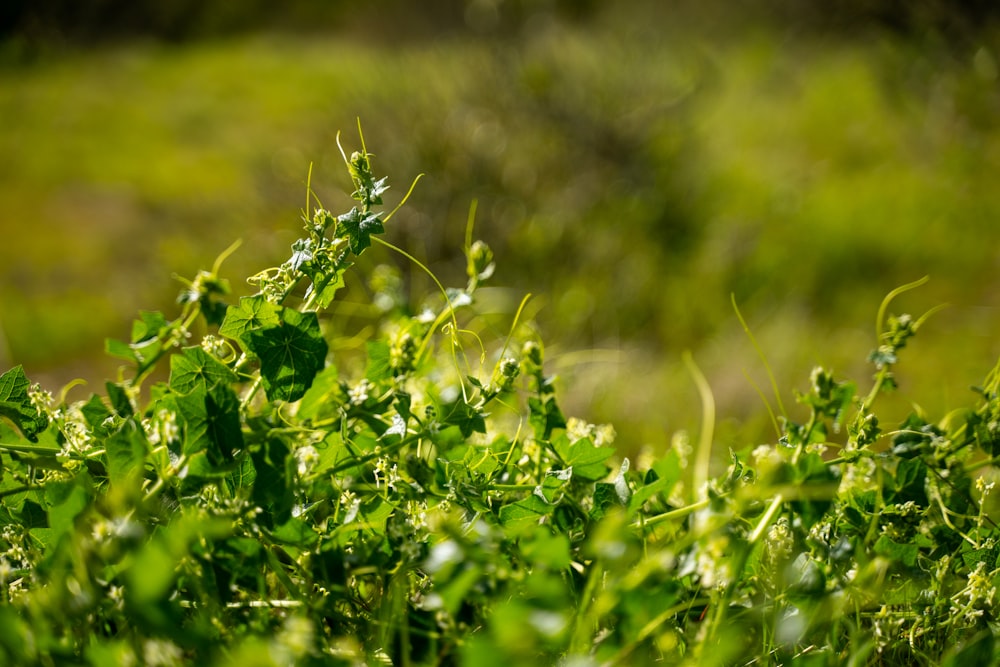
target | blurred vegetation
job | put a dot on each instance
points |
(634, 164)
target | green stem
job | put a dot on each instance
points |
(20, 489)
(880, 318)
(763, 357)
(160, 483)
(251, 392)
(672, 514)
(704, 457)
(29, 449)
(765, 520)
(386, 449)
(513, 487)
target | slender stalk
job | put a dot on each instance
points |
(703, 460)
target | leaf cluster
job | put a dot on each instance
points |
(271, 503)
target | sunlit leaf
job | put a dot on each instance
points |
(358, 227)
(587, 460)
(291, 354)
(252, 313)
(195, 369)
(16, 405)
(126, 454)
(211, 422)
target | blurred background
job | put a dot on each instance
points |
(636, 164)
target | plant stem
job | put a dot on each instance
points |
(672, 514)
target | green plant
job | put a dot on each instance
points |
(273, 501)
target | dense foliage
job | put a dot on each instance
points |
(253, 491)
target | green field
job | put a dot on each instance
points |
(630, 173)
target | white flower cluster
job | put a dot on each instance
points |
(384, 474)
(75, 430)
(41, 399)
(162, 429)
(779, 542)
(306, 458)
(216, 347)
(602, 435)
(979, 595)
(712, 563)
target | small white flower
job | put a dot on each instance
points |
(765, 456)
(712, 564)
(306, 457)
(681, 443)
(359, 394)
(393, 479)
(161, 653)
(296, 636)
(41, 399)
(349, 502)
(398, 426)
(214, 346)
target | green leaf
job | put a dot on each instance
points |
(379, 364)
(911, 475)
(904, 553)
(243, 477)
(358, 227)
(32, 515)
(546, 549)
(119, 349)
(126, 454)
(529, 509)
(102, 652)
(467, 418)
(212, 422)
(980, 650)
(325, 285)
(66, 500)
(660, 479)
(16, 405)
(539, 504)
(253, 313)
(270, 489)
(291, 354)
(586, 460)
(374, 513)
(605, 497)
(302, 252)
(331, 451)
(146, 341)
(195, 369)
(324, 397)
(95, 412)
(295, 532)
(148, 326)
(545, 416)
(325, 270)
(119, 399)
(481, 460)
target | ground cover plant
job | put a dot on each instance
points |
(261, 487)
(663, 152)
